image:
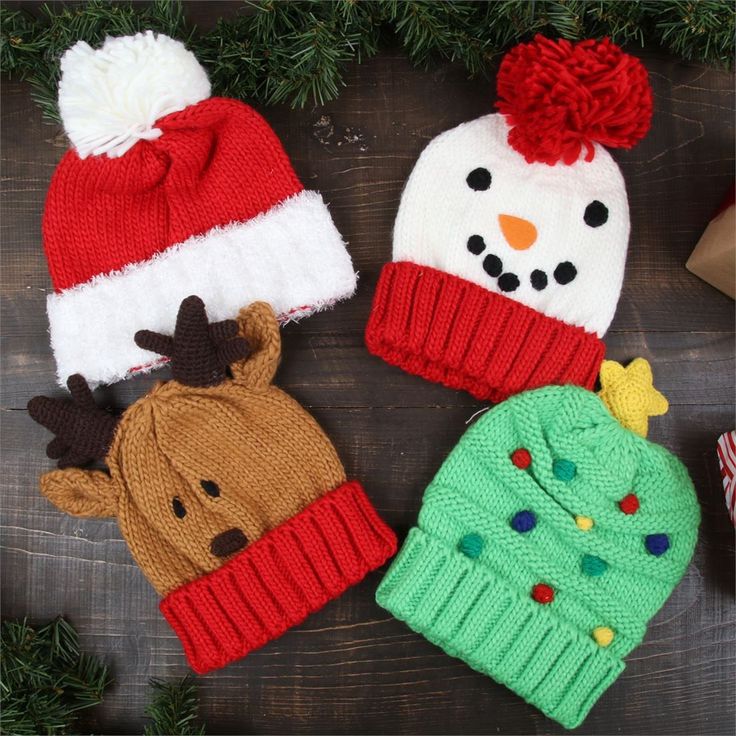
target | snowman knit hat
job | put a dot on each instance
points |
(546, 542)
(168, 192)
(510, 241)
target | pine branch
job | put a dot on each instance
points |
(45, 679)
(173, 709)
(294, 51)
(698, 30)
(457, 31)
(297, 51)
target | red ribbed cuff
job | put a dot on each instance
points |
(451, 331)
(280, 579)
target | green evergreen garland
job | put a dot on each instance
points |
(45, 681)
(44, 678)
(297, 51)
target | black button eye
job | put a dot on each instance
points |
(178, 507)
(210, 488)
(596, 214)
(479, 179)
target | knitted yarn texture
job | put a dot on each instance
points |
(168, 192)
(230, 496)
(629, 394)
(547, 540)
(508, 265)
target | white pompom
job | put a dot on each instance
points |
(110, 98)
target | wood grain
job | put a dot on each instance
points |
(351, 667)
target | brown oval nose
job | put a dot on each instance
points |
(520, 234)
(226, 543)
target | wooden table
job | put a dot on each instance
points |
(352, 667)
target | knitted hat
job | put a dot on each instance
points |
(231, 498)
(546, 542)
(168, 192)
(511, 236)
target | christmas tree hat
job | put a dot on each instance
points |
(546, 542)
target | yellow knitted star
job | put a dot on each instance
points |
(630, 395)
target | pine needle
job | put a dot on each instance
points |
(44, 678)
(173, 709)
(45, 681)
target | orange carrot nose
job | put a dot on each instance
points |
(520, 234)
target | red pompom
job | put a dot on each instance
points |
(629, 504)
(522, 458)
(559, 97)
(543, 593)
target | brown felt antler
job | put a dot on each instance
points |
(200, 352)
(83, 431)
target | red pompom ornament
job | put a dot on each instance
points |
(560, 98)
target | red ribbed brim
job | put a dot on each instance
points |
(451, 331)
(280, 579)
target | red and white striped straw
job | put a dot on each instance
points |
(727, 460)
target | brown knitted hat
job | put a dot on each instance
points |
(230, 496)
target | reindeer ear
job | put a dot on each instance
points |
(260, 328)
(81, 492)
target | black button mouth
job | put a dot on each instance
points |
(565, 273)
(508, 281)
(493, 265)
(538, 279)
(228, 542)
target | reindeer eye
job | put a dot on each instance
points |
(210, 488)
(178, 507)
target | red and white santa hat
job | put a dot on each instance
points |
(168, 192)
(510, 241)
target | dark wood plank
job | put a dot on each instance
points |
(334, 370)
(351, 667)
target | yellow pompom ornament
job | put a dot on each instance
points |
(584, 523)
(629, 394)
(603, 636)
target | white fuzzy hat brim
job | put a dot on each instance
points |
(291, 256)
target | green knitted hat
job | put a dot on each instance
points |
(546, 542)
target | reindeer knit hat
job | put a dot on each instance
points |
(166, 192)
(510, 241)
(231, 498)
(545, 543)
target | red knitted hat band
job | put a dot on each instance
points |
(276, 582)
(454, 332)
